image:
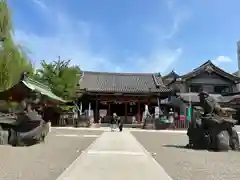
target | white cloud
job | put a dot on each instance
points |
(222, 59)
(176, 20)
(40, 4)
(50, 47)
(160, 60)
(72, 41)
(180, 15)
(174, 29)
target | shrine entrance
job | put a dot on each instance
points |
(130, 112)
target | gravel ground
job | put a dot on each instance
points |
(43, 161)
(185, 164)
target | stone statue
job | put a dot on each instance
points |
(28, 128)
(215, 131)
(210, 105)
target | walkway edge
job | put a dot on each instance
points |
(150, 156)
(62, 175)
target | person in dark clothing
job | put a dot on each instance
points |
(120, 124)
(113, 121)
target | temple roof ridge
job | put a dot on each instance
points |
(122, 82)
(209, 67)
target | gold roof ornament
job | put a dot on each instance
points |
(209, 69)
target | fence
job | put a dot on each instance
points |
(181, 124)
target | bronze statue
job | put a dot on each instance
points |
(28, 128)
(215, 131)
(210, 105)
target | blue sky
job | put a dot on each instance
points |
(129, 35)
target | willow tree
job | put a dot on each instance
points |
(5, 35)
(12, 60)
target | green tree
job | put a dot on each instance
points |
(6, 27)
(5, 31)
(13, 60)
(60, 76)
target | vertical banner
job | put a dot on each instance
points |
(157, 112)
(89, 109)
(189, 113)
(182, 114)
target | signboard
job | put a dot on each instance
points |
(102, 112)
(164, 101)
(157, 112)
(182, 118)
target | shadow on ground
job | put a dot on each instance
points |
(200, 149)
(187, 148)
(175, 146)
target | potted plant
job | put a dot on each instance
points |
(162, 123)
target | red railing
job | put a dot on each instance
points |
(181, 124)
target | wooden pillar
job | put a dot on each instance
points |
(96, 110)
(109, 109)
(125, 111)
(148, 103)
(139, 111)
(79, 104)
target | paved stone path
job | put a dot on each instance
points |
(107, 129)
(115, 155)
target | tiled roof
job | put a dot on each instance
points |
(41, 88)
(122, 82)
(171, 74)
(194, 98)
(170, 77)
(209, 65)
(235, 73)
(26, 84)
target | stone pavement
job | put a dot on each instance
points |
(107, 129)
(115, 156)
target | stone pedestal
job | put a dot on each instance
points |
(4, 137)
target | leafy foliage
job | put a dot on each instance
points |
(5, 21)
(60, 76)
(13, 61)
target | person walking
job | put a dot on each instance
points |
(171, 119)
(120, 124)
(113, 122)
(146, 116)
